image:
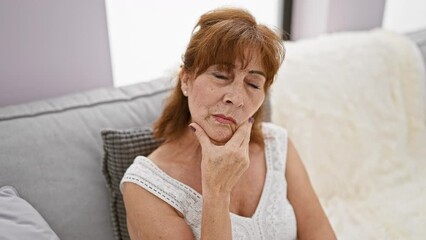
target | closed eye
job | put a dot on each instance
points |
(253, 85)
(220, 76)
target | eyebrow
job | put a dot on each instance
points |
(258, 72)
(232, 66)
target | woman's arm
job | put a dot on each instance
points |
(312, 223)
(221, 168)
(149, 217)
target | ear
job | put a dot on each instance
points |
(184, 82)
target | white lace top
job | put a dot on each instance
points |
(274, 217)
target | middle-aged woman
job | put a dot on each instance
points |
(221, 173)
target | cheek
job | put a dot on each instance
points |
(256, 102)
(201, 99)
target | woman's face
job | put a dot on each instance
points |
(221, 99)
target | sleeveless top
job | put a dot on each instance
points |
(274, 216)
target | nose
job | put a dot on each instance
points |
(235, 95)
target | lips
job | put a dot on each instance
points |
(224, 119)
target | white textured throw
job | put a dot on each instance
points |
(354, 105)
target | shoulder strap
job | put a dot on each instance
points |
(276, 142)
(149, 176)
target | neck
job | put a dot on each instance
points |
(187, 145)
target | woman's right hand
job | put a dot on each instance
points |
(222, 166)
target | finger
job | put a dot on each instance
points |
(246, 140)
(201, 135)
(242, 133)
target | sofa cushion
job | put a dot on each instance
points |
(51, 151)
(121, 147)
(19, 220)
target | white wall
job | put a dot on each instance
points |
(405, 16)
(148, 38)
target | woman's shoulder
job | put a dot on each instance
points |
(158, 154)
(148, 164)
(163, 158)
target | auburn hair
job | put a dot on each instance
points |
(221, 36)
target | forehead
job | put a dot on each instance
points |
(250, 60)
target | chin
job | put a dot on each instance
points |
(218, 133)
(220, 136)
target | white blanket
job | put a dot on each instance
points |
(355, 107)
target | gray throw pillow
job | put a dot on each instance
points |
(120, 149)
(19, 220)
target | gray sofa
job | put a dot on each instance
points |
(51, 151)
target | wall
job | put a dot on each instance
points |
(405, 16)
(49, 48)
(350, 15)
(315, 17)
(309, 18)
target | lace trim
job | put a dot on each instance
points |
(146, 174)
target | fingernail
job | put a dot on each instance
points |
(251, 120)
(192, 128)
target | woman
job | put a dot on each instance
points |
(221, 173)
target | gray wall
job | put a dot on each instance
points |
(49, 48)
(315, 17)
